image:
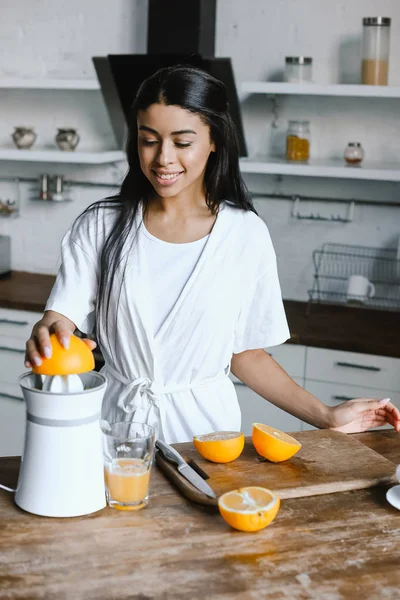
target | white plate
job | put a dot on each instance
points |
(393, 496)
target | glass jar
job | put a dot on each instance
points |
(354, 153)
(298, 69)
(298, 141)
(375, 54)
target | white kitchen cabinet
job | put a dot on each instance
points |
(335, 376)
(12, 420)
(254, 408)
(257, 410)
(15, 329)
(367, 370)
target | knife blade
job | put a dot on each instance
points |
(184, 469)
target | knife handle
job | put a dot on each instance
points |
(169, 453)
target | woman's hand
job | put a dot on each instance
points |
(39, 344)
(361, 414)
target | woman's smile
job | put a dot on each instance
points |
(167, 179)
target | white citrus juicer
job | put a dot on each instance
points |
(61, 473)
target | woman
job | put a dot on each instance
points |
(178, 276)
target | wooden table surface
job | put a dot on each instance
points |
(332, 547)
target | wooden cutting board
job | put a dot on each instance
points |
(328, 462)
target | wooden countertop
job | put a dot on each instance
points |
(336, 327)
(343, 546)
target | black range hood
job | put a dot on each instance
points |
(179, 32)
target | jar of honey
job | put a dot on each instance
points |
(298, 141)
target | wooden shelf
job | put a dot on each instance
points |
(317, 89)
(50, 84)
(58, 156)
(378, 171)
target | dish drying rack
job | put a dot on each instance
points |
(335, 263)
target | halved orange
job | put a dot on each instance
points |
(273, 444)
(249, 508)
(220, 446)
(78, 358)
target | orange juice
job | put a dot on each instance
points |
(127, 481)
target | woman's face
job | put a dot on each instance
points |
(173, 145)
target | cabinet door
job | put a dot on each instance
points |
(366, 370)
(12, 353)
(291, 357)
(333, 394)
(17, 323)
(257, 410)
(12, 421)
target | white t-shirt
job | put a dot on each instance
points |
(170, 267)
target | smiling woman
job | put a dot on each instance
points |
(177, 275)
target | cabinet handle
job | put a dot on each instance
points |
(12, 322)
(342, 398)
(355, 366)
(7, 349)
(11, 397)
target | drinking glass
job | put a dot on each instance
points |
(128, 456)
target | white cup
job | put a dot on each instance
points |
(359, 289)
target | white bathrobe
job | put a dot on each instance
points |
(177, 379)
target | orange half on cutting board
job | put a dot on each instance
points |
(220, 446)
(249, 508)
(273, 444)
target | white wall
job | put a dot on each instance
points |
(54, 39)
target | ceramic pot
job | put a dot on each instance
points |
(24, 137)
(67, 139)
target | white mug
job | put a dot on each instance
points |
(359, 289)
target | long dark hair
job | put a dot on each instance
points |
(199, 92)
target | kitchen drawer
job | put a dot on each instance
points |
(17, 323)
(366, 370)
(255, 409)
(291, 357)
(333, 394)
(12, 422)
(12, 354)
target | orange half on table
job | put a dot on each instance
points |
(220, 446)
(249, 508)
(273, 444)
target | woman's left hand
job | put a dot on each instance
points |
(354, 416)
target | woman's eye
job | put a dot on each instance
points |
(148, 142)
(183, 144)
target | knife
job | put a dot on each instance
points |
(184, 469)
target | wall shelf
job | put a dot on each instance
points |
(318, 89)
(50, 84)
(378, 171)
(58, 156)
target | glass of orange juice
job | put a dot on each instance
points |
(128, 457)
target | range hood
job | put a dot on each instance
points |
(179, 32)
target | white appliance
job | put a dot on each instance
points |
(61, 472)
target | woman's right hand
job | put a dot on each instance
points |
(39, 345)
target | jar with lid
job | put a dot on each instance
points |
(298, 141)
(354, 153)
(375, 54)
(298, 69)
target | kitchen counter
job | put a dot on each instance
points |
(342, 546)
(336, 327)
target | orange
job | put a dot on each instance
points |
(249, 508)
(220, 446)
(78, 358)
(273, 444)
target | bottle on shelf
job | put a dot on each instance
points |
(298, 141)
(354, 153)
(375, 53)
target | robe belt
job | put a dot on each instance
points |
(141, 394)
